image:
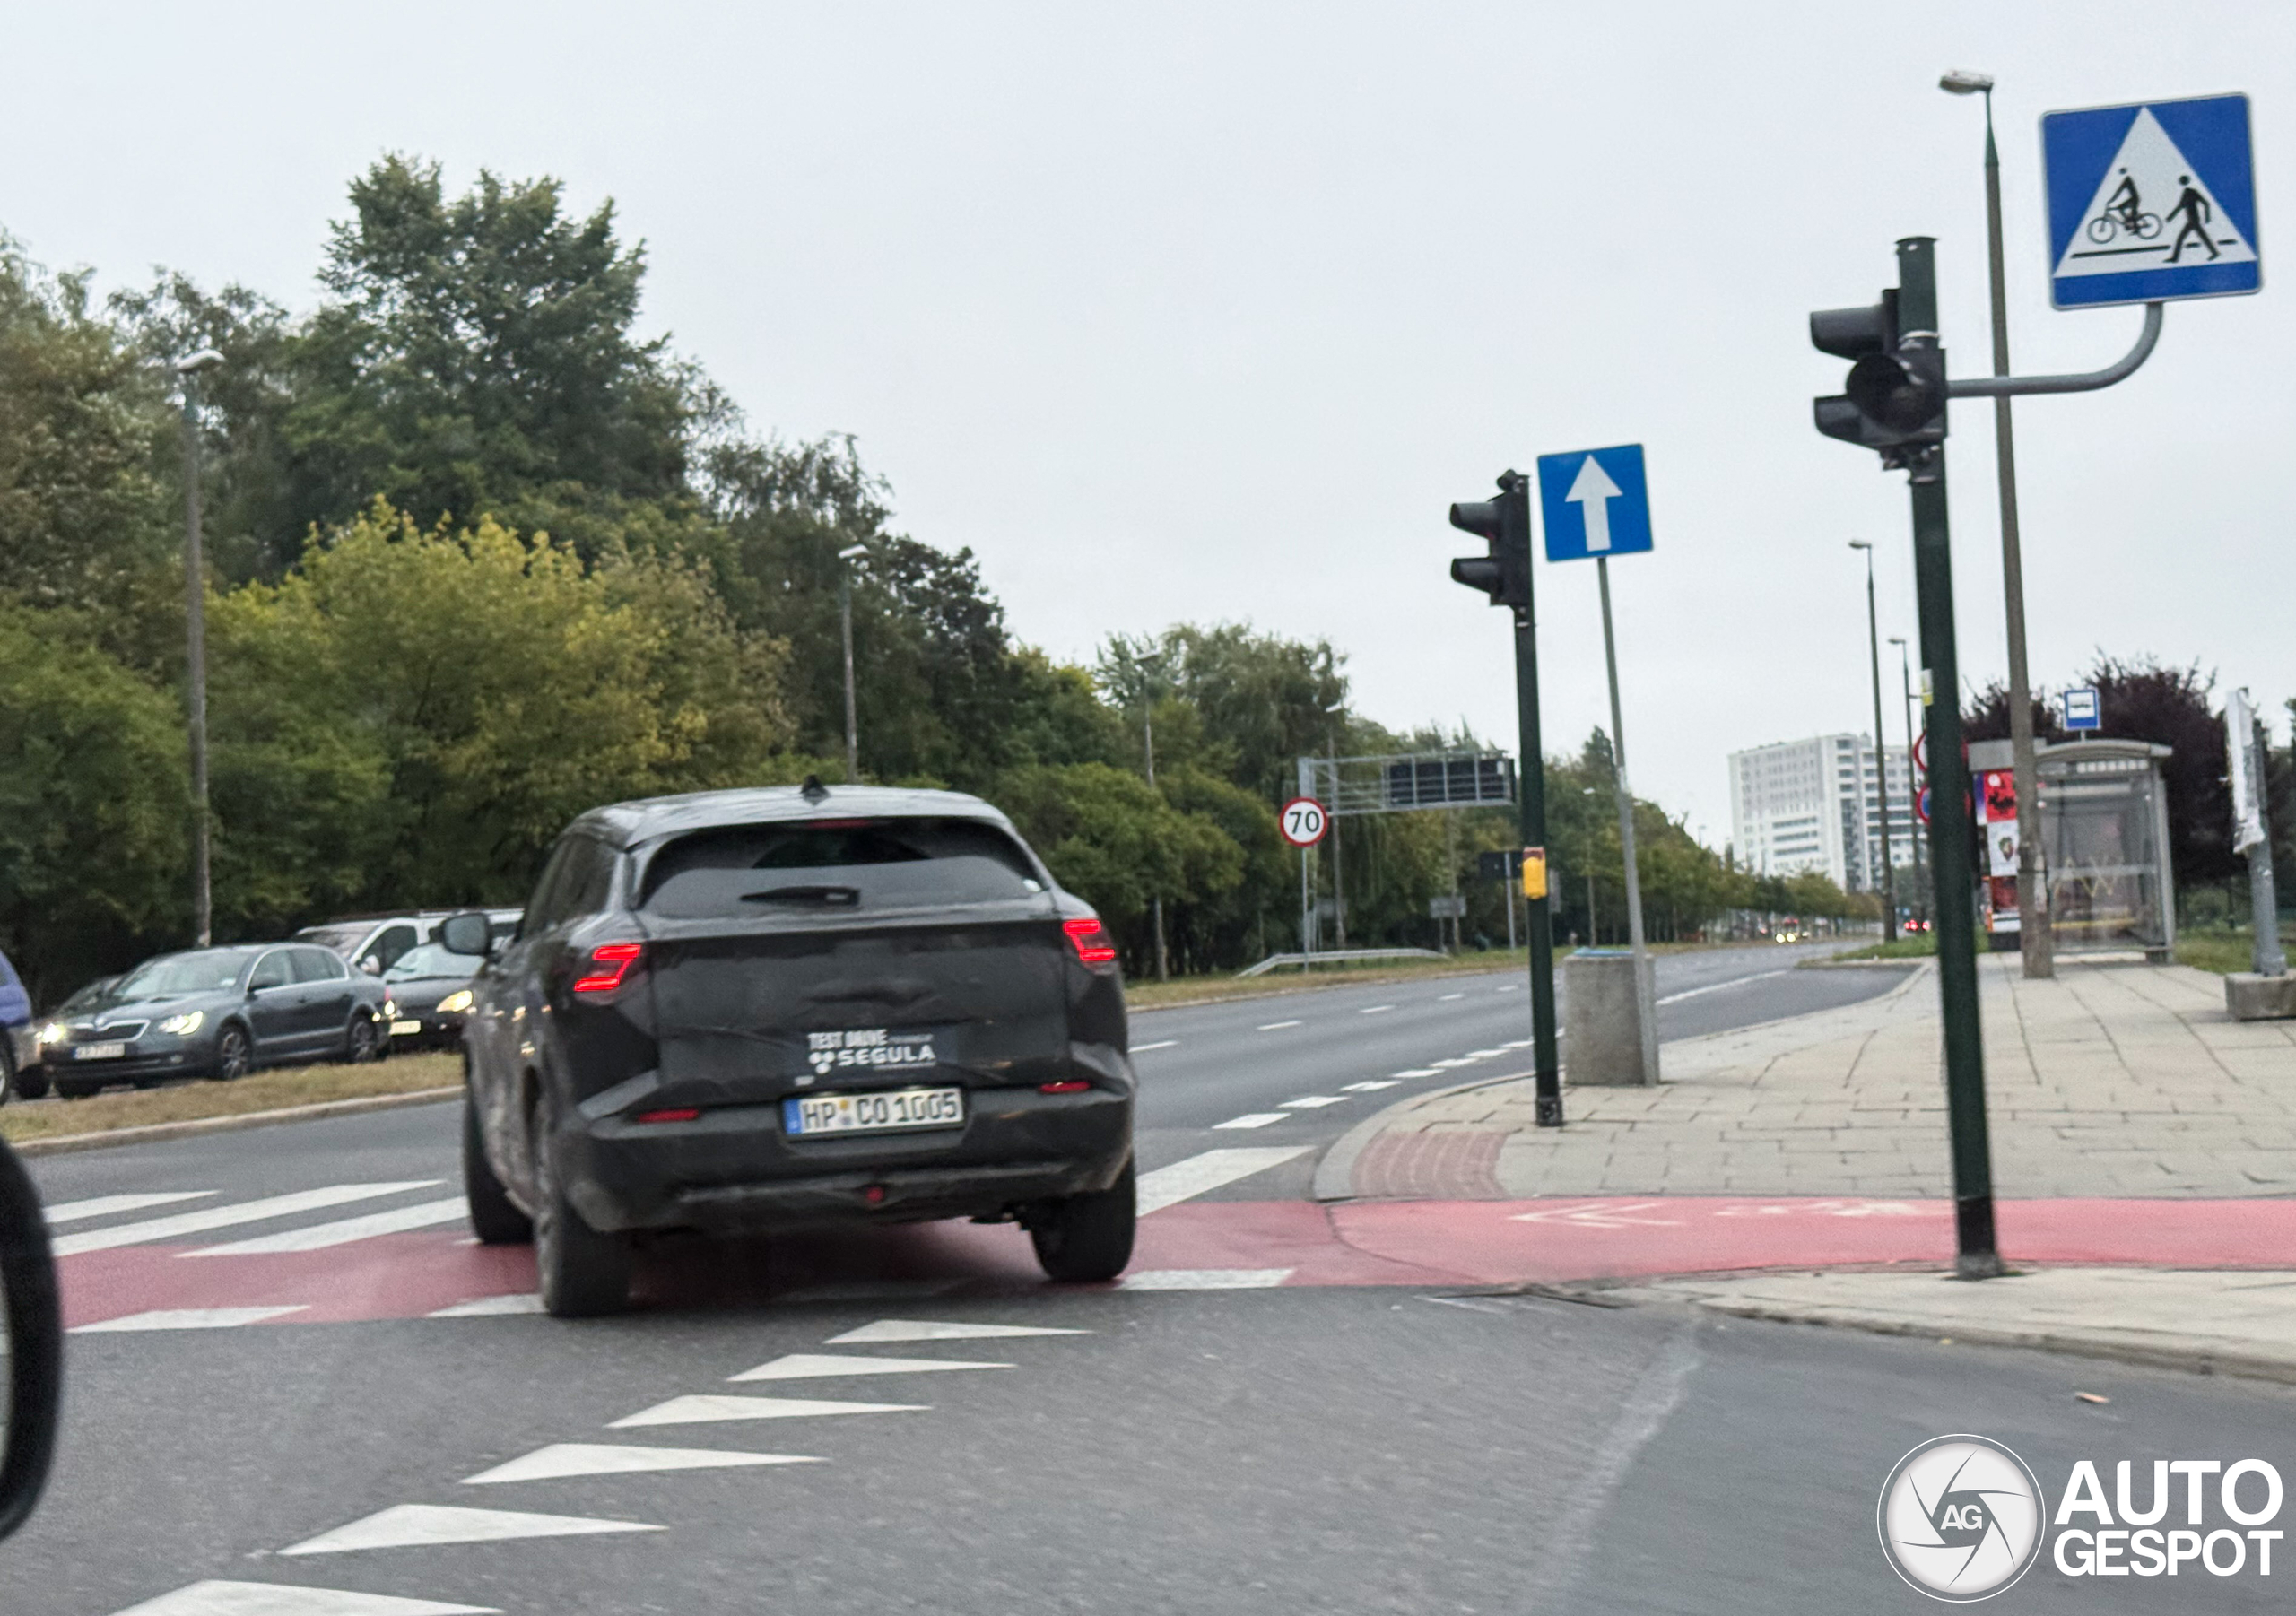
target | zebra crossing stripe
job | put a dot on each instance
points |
(318, 1237)
(282, 1599)
(223, 1217)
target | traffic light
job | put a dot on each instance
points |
(1505, 574)
(1895, 402)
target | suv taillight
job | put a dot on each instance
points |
(610, 962)
(1094, 946)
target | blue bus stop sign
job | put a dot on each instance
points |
(1594, 502)
(2151, 202)
(2082, 710)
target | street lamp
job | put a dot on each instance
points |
(1337, 711)
(195, 587)
(2033, 896)
(1912, 785)
(1880, 754)
(847, 555)
(1148, 662)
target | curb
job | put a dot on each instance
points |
(1336, 1173)
(152, 1133)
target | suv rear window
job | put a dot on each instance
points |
(835, 866)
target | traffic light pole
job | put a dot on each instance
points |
(1950, 831)
(1537, 912)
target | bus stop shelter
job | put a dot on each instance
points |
(2104, 846)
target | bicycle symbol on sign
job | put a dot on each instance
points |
(2124, 211)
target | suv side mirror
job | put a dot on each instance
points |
(31, 1345)
(465, 934)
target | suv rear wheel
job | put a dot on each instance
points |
(584, 1273)
(1087, 1237)
(494, 1217)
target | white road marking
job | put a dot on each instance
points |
(1276, 1025)
(1484, 1055)
(1453, 1065)
(224, 1216)
(1200, 1174)
(707, 1408)
(1507, 988)
(821, 1366)
(1205, 1279)
(104, 1206)
(318, 1237)
(1691, 993)
(186, 1318)
(1159, 1044)
(1314, 1102)
(1419, 1072)
(491, 1306)
(1371, 1085)
(913, 1329)
(610, 1459)
(1373, 1010)
(410, 1526)
(1521, 1043)
(282, 1599)
(1256, 1119)
(1448, 997)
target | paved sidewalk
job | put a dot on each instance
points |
(2113, 1081)
(2239, 1324)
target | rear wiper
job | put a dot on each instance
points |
(836, 897)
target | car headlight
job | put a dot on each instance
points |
(52, 1033)
(390, 1009)
(185, 1024)
(457, 1000)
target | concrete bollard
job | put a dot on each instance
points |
(2249, 997)
(1602, 1037)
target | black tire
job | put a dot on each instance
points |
(362, 1044)
(1087, 1238)
(494, 1217)
(9, 1088)
(33, 1083)
(65, 1088)
(234, 1053)
(584, 1273)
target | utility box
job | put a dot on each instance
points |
(2104, 846)
(1601, 1013)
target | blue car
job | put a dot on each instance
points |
(18, 1035)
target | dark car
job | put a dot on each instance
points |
(741, 1011)
(33, 1077)
(218, 1013)
(431, 990)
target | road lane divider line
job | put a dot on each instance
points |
(318, 1237)
(709, 1408)
(1160, 1043)
(105, 1206)
(1691, 993)
(1205, 1279)
(1314, 1102)
(491, 1306)
(188, 1318)
(1275, 1026)
(828, 1366)
(1256, 1119)
(425, 1526)
(223, 1217)
(1448, 997)
(1371, 1085)
(1196, 1176)
(561, 1459)
(1418, 1072)
(1373, 1010)
(284, 1599)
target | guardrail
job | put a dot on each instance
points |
(1338, 956)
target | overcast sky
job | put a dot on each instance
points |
(1207, 311)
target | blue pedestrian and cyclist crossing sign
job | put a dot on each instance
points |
(1594, 502)
(2151, 202)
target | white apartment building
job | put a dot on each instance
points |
(1816, 805)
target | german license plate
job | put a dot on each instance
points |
(890, 1112)
(99, 1051)
(403, 1030)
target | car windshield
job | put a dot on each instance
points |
(428, 960)
(837, 865)
(90, 996)
(209, 970)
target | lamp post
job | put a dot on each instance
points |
(1337, 711)
(1148, 741)
(2032, 893)
(194, 590)
(1912, 786)
(847, 556)
(1881, 753)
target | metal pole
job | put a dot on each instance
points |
(852, 721)
(1338, 872)
(1912, 781)
(1880, 755)
(2033, 938)
(1646, 1010)
(1538, 917)
(2266, 953)
(1307, 913)
(1155, 904)
(195, 589)
(1951, 851)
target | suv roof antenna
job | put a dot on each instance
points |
(813, 790)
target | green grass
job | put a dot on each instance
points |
(2223, 952)
(198, 1099)
(1922, 947)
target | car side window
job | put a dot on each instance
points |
(271, 971)
(591, 878)
(317, 965)
(543, 909)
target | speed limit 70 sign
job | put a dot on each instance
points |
(1304, 822)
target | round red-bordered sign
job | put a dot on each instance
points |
(1303, 821)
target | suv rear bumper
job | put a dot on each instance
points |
(733, 1169)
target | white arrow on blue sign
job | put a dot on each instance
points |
(1594, 502)
(2151, 202)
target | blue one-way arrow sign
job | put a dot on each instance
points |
(2152, 201)
(1594, 502)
